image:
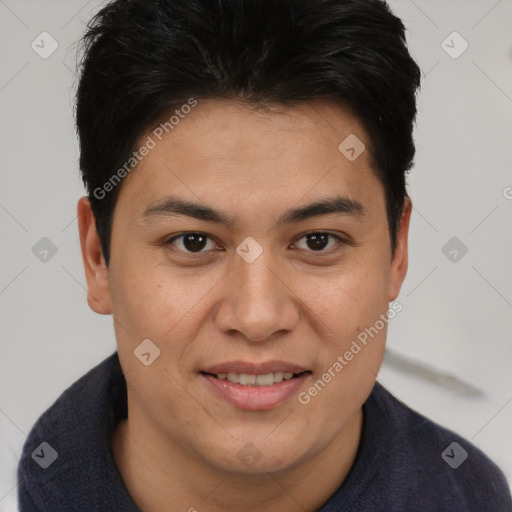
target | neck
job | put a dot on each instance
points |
(157, 472)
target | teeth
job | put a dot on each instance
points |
(234, 377)
(246, 379)
(278, 376)
(264, 380)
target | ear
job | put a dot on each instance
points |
(399, 261)
(96, 271)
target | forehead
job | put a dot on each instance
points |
(254, 127)
(231, 153)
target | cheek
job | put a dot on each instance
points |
(352, 346)
(158, 301)
(346, 301)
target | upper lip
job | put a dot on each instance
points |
(255, 368)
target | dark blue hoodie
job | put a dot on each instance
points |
(405, 462)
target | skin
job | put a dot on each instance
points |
(180, 442)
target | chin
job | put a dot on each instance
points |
(256, 456)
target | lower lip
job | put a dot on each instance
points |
(256, 398)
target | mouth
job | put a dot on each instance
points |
(255, 387)
(259, 380)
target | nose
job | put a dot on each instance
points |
(257, 302)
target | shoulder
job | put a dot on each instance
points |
(69, 437)
(83, 399)
(431, 460)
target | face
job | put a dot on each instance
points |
(220, 257)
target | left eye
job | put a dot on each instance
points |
(316, 241)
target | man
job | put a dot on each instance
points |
(246, 226)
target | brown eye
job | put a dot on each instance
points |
(317, 241)
(190, 242)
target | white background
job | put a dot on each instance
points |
(453, 335)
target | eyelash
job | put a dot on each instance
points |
(340, 242)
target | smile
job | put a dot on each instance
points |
(246, 379)
(255, 387)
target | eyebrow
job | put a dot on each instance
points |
(172, 206)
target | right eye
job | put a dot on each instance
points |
(188, 242)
